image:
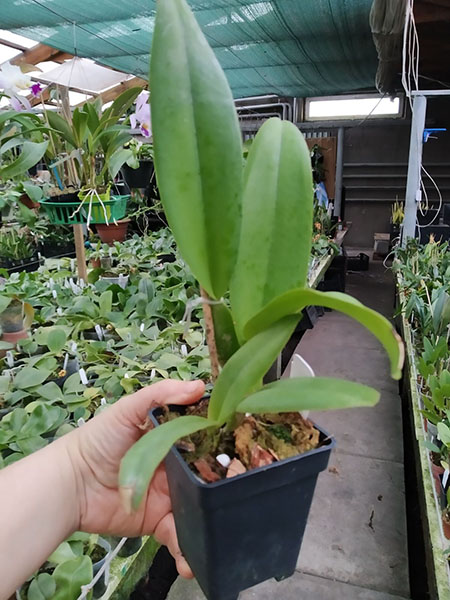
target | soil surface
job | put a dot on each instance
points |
(254, 441)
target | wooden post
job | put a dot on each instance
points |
(80, 252)
(210, 336)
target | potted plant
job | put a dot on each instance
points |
(198, 160)
(138, 171)
(15, 316)
(113, 232)
(93, 155)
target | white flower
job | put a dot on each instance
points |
(12, 78)
(12, 81)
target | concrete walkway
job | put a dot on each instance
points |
(355, 542)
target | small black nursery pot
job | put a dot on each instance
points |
(241, 531)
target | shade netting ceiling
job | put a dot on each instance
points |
(285, 47)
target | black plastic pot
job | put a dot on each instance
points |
(238, 532)
(73, 366)
(71, 197)
(140, 177)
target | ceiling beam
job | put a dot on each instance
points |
(37, 54)
(13, 45)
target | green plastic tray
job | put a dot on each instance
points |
(61, 213)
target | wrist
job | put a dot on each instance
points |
(72, 468)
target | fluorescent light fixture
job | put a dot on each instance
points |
(352, 107)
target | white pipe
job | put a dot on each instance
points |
(413, 191)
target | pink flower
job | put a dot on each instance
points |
(36, 89)
(142, 116)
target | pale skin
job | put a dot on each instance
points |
(72, 485)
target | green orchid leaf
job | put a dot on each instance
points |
(62, 553)
(105, 303)
(277, 212)
(43, 419)
(31, 154)
(29, 377)
(296, 300)
(33, 191)
(31, 444)
(73, 384)
(226, 340)
(444, 433)
(5, 301)
(117, 160)
(4, 382)
(70, 576)
(50, 391)
(43, 587)
(309, 393)
(197, 144)
(56, 340)
(243, 373)
(141, 461)
(61, 125)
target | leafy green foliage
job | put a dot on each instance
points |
(275, 243)
(309, 393)
(197, 146)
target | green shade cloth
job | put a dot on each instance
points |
(285, 47)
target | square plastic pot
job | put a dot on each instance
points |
(238, 532)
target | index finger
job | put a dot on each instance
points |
(136, 407)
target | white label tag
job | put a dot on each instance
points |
(184, 351)
(10, 359)
(54, 294)
(73, 346)
(445, 478)
(99, 332)
(152, 374)
(72, 264)
(81, 422)
(83, 377)
(142, 327)
(66, 360)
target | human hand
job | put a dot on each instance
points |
(95, 452)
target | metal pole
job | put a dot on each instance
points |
(413, 192)
(339, 172)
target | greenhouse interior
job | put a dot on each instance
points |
(224, 300)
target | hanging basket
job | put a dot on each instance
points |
(106, 210)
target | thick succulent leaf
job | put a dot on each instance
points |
(141, 461)
(296, 300)
(277, 213)
(31, 154)
(244, 371)
(198, 149)
(309, 393)
(226, 341)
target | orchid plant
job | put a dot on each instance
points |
(21, 146)
(247, 233)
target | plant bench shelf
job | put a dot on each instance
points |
(436, 543)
